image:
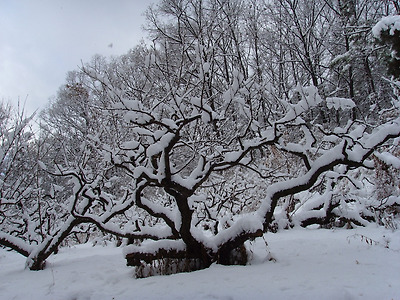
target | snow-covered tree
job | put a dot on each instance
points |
(28, 212)
(202, 117)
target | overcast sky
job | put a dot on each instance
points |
(41, 40)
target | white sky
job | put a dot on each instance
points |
(41, 40)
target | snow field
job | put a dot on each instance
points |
(310, 264)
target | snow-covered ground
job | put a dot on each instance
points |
(310, 264)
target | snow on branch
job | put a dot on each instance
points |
(340, 103)
(15, 243)
(149, 251)
(388, 159)
(309, 99)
